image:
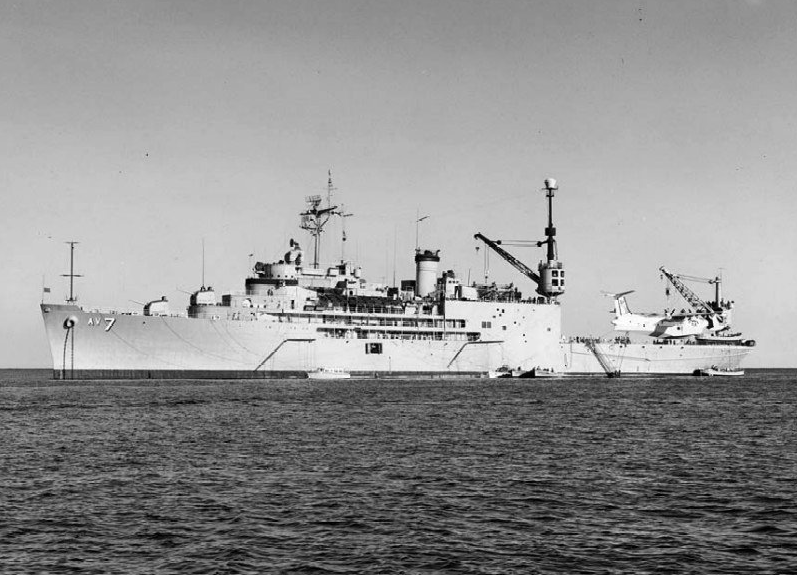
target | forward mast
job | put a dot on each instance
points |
(315, 217)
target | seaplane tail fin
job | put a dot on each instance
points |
(620, 305)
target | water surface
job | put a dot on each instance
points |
(372, 476)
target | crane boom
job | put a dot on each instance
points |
(512, 260)
(687, 293)
(699, 279)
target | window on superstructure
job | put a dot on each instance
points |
(372, 347)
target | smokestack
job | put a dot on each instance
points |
(426, 271)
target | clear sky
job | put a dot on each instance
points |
(140, 128)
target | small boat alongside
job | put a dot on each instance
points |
(714, 371)
(542, 372)
(504, 372)
(328, 373)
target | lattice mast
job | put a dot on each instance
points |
(315, 217)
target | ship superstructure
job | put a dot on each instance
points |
(296, 316)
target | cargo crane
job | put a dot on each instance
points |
(550, 279)
(717, 312)
(512, 260)
(691, 297)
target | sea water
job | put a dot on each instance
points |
(660, 475)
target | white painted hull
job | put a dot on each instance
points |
(650, 358)
(134, 346)
(102, 345)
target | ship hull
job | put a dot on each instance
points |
(646, 359)
(94, 345)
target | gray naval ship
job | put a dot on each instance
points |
(297, 318)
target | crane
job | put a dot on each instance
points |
(717, 312)
(550, 279)
(512, 260)
(691, 297)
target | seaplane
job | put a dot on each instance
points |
(710, 319)
(664, 325)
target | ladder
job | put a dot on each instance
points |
(602, 358)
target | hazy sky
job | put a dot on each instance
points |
(140, 128)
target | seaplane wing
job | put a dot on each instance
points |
(691, 314)
(681, 326)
